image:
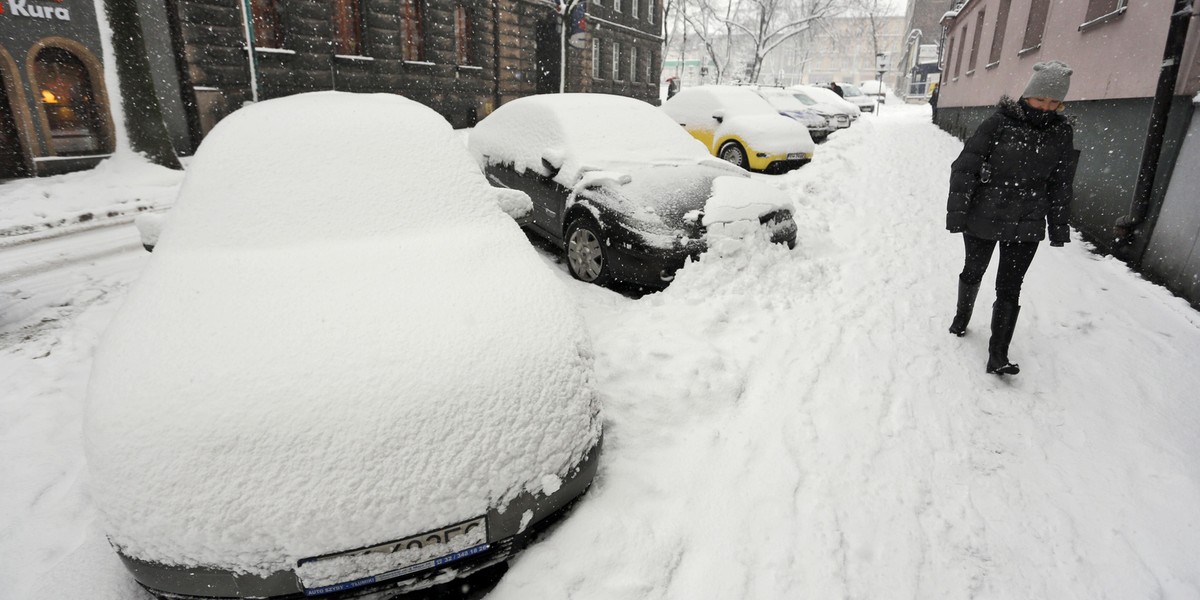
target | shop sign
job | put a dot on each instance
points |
(23, 8)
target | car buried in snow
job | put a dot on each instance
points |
(819, 126)
(737, 125)
(620, 188)
(333, 378)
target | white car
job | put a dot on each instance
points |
(344, 370)
(839, 112)
(852, 94)
(819, 125)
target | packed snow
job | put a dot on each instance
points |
(785, 424)
(338, 341)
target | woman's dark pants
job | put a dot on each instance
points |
(1015, 258)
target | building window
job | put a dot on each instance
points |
(998, 34)
(949, 55)
(347, 23)
(464, 35)
(68, 99)
(633, 63)
(617, 5)
(595, 58)
(616, 61)
(975, 42)
(1100, 11)
(1036, 25)
(633, 8)
(962, 44)
(268, 23)
(412, 29)
(650, 68)
(650, 10)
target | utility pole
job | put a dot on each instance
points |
(572, 14)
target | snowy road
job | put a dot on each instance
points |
(782, 424)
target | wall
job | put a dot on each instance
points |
(1173, 255)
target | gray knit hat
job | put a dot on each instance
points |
(1050, 79)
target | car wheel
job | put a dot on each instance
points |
(587, 258)
(734, 153)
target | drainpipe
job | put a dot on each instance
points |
(1135, 227)
(248, 23)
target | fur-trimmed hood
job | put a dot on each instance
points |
(1013, 109)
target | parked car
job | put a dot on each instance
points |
(788, 105)
(334, 377)
(616, 184)
(737, 125)
(840, 113)
(854, 95)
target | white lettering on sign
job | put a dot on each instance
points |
(22, 8)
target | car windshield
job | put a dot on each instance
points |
(804, 99)
(782, 100)
(849, 90)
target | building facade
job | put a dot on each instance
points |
(840, 49)
(1121, 88)
(55, 110)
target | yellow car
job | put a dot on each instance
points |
(737, 125)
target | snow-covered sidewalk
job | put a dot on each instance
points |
(789, 424)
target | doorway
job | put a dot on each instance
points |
(12, 157)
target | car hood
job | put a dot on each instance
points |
(252, 407)
(770, 133)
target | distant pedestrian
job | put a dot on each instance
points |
(1013, 177)
(672, 87)
(837, 89)
(933, 98)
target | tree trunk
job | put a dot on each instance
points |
(143, 114)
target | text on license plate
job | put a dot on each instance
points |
(797, 156)
(394, 559)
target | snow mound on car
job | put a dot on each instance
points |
(340, 340)
(617, 130)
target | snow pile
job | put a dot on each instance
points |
(340, 340)
(576, 133)
(119, 187)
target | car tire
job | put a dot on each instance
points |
(734, 152)
(587, 253)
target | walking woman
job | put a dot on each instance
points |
(1013, 178)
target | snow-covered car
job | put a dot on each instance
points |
(625, 192)
(737, 125)
(828, 103)
(854, 95)
(788, 105)
(334, 377)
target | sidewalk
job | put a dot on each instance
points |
(114, 192)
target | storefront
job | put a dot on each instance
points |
(54, 110)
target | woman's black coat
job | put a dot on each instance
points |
(1014, 176)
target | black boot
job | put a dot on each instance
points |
(1004, 321)
(966, 304)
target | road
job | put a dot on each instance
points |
(44, 281)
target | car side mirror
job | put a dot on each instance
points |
(550, 169)
(719, 115)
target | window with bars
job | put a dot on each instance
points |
(412, 30)
(998, 33)
(633, 63)
(348, 27)
(464, 36)
(616, 61)
(975, 41)
(268, 23)
(650, 10)
(1036, 25)
(595, 58)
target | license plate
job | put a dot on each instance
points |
(392, 560)
(797, 156)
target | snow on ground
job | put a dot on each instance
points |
(118, 188)
(793, 424)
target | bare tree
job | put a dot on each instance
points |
(766, 24)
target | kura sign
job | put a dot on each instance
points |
(24, 8)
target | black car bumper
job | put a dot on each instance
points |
(506, 537)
